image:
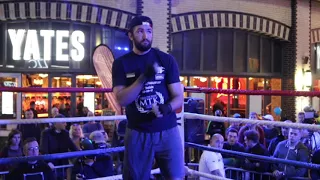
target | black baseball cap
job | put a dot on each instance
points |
(139, 20)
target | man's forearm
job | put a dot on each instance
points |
(176, 102)
(129, 94)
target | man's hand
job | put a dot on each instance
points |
(156, 111)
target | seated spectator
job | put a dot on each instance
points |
(30, 130)
(291, 149)
(251, 139)
(248, 126)
(91, 126)
(90, 167)
(233, 145)
(311, 139)
(212, 162)
(281, 137)
(315, 174)
(100, 139)
(57, 140)
(31, 170)
(13, 148)
(76, 134)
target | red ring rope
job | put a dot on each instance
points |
(187, 89)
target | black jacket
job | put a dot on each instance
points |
(258, 149)
(26, 168)
(53, 142)
(102, 167)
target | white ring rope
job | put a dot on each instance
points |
(66, 119)
(250, 121)
(157, 171)
(119, 176)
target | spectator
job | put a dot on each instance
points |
(301, 117)
(281, 137)
(243, 129)
(233, 145)
(54, 112)
(90, 167)
(270, 132)
(216, 127)
(33, 109)
(291, 149)
(311, 139)
(32, 170)
(251, 138)
(315, 174)
(91, 126)
(30, 130)
(100, 139)
(57, 140)
(212, 162)
(13, 148)
(76, 134)
(235, 125)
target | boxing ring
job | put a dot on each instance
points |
(181, 116)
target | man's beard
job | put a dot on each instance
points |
(142, 47)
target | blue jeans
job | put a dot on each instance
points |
(142, 148)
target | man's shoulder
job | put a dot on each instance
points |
(163, 54)
(124, 57)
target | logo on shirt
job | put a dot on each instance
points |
(144, 102)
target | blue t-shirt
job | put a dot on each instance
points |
(127, 69)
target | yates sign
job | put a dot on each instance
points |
(31, 48)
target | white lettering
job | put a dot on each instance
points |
(47, 35)
(32, 46)
(77, 37)
(32, 50)
(16, 38)
(60, 46)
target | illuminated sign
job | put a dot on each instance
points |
(31, 49)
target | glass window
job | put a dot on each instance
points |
(8, 100)
(238, 103)
(256, 102)
(277, 53)
(254, 53)
(61, 100)
(266, 55)
(191, 49)
(196, 81)
(95, 102)
(219, 100)
(226, 50)
(210, 49)
(40, 99)
(177, 48)
(241, 51)
(272, 102)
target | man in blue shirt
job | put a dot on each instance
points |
(146, 81)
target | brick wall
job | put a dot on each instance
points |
(158, 11)
(278, 10)
(315, 15)
(125, 5)
(289, 66)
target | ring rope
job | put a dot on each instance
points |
(206, 175)
(186, 89)
(119, 176)
(254, 156)
(69, 119)
(65, 155)
(250, 121)
(253, 92)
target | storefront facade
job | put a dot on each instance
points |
(43, 52)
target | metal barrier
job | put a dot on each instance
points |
(242, 174)
(4, 173)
